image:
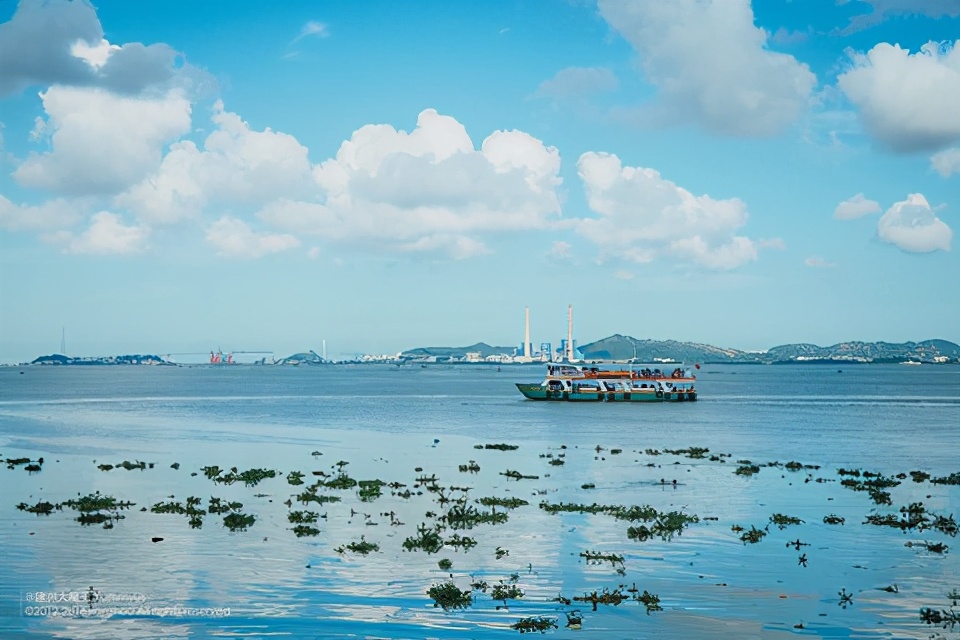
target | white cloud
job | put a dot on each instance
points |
(54, 214)
(574, 82)
(236, 165)
(108, 235)
(59, 42)
(881, 10)
(818, 262)
(855, 207)
(560, 252)
(947, 162)
(428, 190)
(235, 238)
(102, 142)
(907, 101)
(711, 65)
(643, 217)
(912, 226)
(313, 28)
(623, 275)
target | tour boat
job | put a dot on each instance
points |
(572, 383)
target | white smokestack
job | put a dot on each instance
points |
(526, 339)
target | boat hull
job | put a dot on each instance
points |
(540, 392)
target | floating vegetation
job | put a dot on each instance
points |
(783, 521)
(665, 526)
(105, 467)
(595, 557)
(506, 503)
(341, 481)
(914, 516)
(694, 453)
(605, 596)
(557, 462)
(311, 495)
(501, 553)
(295, 478)
(952, 479)
(833, 519)
(467, 517)
(471, 467)
(502, 447)
(461, 542)
(449, 596)
(41, 508)
(588, 485)
(370, 489)
(427, 539)
(362, 547)
(445, 564)
(217, 506)
(503, 592)
(516, 475)
(747, 469)
(846, 599)
(753, 536)
(919, 476)
(536, 623)
(303, 530)
(238, 521)
(15, 462)
(130, 466)
(650, 601)
(302, 517)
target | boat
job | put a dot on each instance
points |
(573, 383)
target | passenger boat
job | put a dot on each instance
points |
(571, 383)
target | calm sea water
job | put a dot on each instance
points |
(384, 422)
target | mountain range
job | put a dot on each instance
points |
(627, 348)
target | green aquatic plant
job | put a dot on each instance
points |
(467, 517)
(445, 564)
(295, 478)
(427, 539)
(747, 469)
(503, 592)
(516, 475)
(833, 519)
(370, 489)
(471, 467)
(362, 547)
(535, 623)
(130, 466)
(649, 600)
(919, 476)
(605, 596)
(449, 596)
(753, 536)
(783, 521)
(302, 517)
(105, 467)
(217, 506)
(952, 479)
(303, 530)
(41, 508)
(238, 521)
(506, 503)
(595, 557)
(502, 447)
(460, 542)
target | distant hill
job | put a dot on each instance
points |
(630, 349)
(618, 347)
(57, 359)
(482, 348)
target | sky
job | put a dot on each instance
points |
(180, 176)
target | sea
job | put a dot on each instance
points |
(813, 501)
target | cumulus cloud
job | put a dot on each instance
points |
(108, 235)
(818, 262)
(881, 10)
(235, 238)
(427, 190)
(908, 102)
(61, 42)
(236, 165)
(913, 226)
(855, 207)
(101, 142)
(711, 65)
(643, 217)
(947, 162)
(577, 81)
(560, 252)
(54, 214)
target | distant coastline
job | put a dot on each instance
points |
(616, 348)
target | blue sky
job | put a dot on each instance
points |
(179, 176)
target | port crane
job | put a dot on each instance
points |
(218, 356)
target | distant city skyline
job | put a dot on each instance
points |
(184, 177)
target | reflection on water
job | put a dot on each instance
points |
(385, 424)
